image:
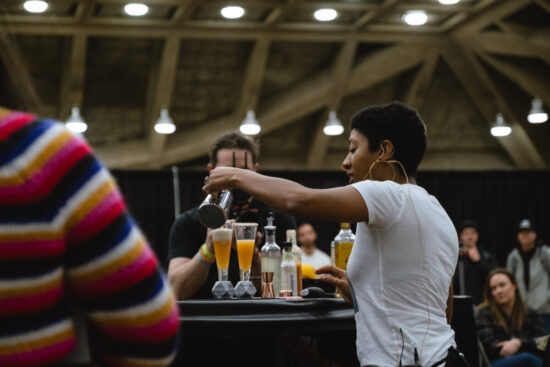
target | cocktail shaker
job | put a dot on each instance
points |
(213, 210)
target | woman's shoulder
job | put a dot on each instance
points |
(483, 311)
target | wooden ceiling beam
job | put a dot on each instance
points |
(277, 14)
(125, 155)
(500, 9)
(339, 77)
(84, 10)
(72, 84)
(464, 14)
(378, 12)
(416, 94)
(507, 44)
(184, 11)
(19, 76)
(534, 83)
(488, 102)
(303, 99)
(162, 95)
(252, 85)
(543, 4)
(193, 30)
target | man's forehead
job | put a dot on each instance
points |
(227, 155)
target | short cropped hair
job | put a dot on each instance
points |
(234, 140)
(399, 124)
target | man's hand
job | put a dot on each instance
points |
(333, 275)
(509, 347)
(473, 254)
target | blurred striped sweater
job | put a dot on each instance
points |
(66, 237)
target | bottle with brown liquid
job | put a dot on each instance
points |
(343, 243)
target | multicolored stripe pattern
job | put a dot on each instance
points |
(65, 235)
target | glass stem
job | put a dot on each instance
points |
(223, 275)
(245, 275)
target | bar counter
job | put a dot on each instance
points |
(267, 332)
(266, 316)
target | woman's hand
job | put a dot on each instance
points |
(509, 347)
(220, 178)
(333, 275)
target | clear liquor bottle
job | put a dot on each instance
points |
(297, 253)
(289, 285)
(271, 256)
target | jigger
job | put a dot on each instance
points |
(213, 210)
(267, 285)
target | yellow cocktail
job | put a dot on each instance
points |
(222, 248)
(246, 237)
(245, 251)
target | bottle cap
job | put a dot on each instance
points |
(345, 225)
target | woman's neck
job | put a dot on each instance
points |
(508, 308)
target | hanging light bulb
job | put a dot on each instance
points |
(250, 125)
(537, 114)
(75, 122)
(136, 9)
(500, 128)
(35, 6)
(325, 14)
(333, 126)
(415, 17)
(165, 124)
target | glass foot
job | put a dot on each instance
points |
(245, 289)
(223, 289)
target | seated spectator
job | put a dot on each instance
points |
(530, 264)
(311, 255)
(67, 239)
(477, 263)
(506, 327)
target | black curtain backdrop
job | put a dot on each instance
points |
(496, 200)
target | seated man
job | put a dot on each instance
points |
(190, 275)
(311, 255)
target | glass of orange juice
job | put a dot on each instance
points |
(222, 238)
(246, 237)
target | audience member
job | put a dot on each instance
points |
(477, 263)
(68, 242)
(506, 327)
(311, 255)
(530, 264)
(190, 275)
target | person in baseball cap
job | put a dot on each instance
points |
(530, 264)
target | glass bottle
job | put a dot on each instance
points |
(332, 259)
(271, 257)
(297, 253)
(343, 243)
(289, 285)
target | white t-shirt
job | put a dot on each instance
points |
(317, 259)
(400, 270)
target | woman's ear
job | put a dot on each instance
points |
(386, 150)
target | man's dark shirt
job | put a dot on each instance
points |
(475, 274)
(188, 234)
